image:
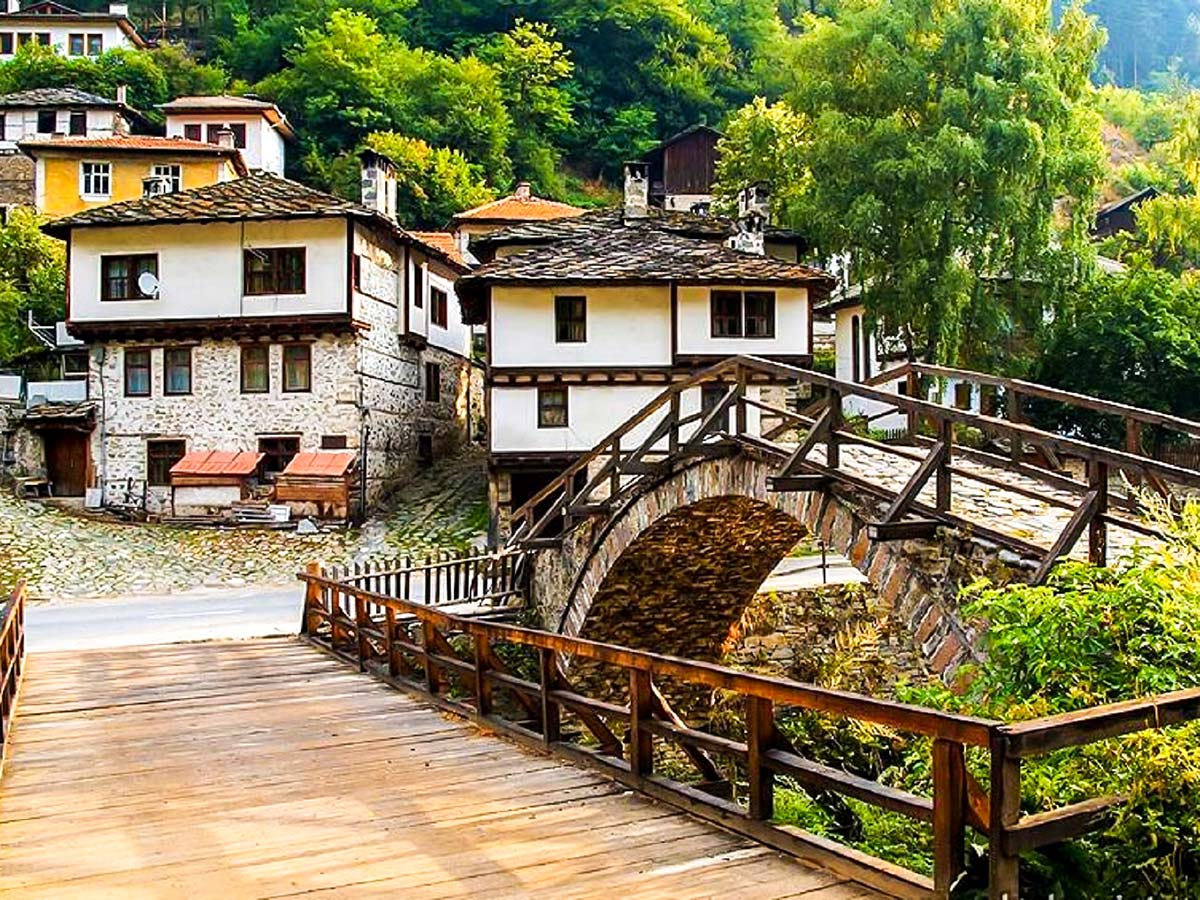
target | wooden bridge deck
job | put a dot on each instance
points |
(266, 769)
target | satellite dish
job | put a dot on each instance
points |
(148, 284)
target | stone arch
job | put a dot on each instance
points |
(919, 580)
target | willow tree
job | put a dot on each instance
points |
(946, 147)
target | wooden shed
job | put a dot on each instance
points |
(318, 483)
(210, 481)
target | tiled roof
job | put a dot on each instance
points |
(634, 253)
(222, 101)
(320, 464)
(54, 96)
(519, 207)
(443, 241)
(135, 144)
(218, 463)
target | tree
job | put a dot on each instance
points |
(32, 280)
(938, 139)
(185, 76)
(36, 66)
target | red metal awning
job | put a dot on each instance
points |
(224, 463)
(321, 464)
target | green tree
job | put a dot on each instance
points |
(36, 66)
(185, 76)
(32, 279)
(940, 138)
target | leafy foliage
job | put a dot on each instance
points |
(32, 280)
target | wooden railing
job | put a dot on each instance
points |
(488, 581)
(660, 437)
(12, 663)
(460, 663)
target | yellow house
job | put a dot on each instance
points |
(74, 174)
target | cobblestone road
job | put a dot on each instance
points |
(63, 554)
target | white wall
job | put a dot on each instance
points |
(200, 269)
(456, 336)
(265, 147)
(791, 325)
(881, 415)
(626, 326)
(22, 124)
(61, 29)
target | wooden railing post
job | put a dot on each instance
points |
(483, 686)
(428, 643)
(760, 730)
(1015, 416)
(949, 815)
(673, 434)
(946, 439)
(312, 599)
(912, 383)
(740, 418)
(360, 631)
(641, 709)
(1005, 793)
(1097, 527)
(833, 455)
(389, 642)
(551, 721)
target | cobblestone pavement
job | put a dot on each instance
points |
(62, 554)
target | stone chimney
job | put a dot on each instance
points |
(522, 192)
(123, 94)
(755, 198)
(13, 7)
(119, 9)
(378, 190)
(637, 190)
(225, 138)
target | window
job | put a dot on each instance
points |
(47, 121)
(75, 364)
(438, 313)
(256, 369)
(95, 44)
(433, 382)
(552, 407)
(6, 43)
(177, 370)
(137, 373)
(278, 270)
(95, 179)
(278, 452)
(78, 123)
(75, 45)
(239, 135)
(23, 38)
(191, 132)
(119, 276)
(333, 442)
(570, 320)
(297, 368)
(855, 349)
(174, 173)
(160, 457)
(711, 396)
(3, 126)
(356, 272)
(748, 314)
(418, 287)
(43, 38)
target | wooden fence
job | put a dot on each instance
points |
(461, 664)
(12, 663)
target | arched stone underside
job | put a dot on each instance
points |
(675, 567)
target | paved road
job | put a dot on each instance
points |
(199, 615)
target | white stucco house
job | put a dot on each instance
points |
(257, 315)
(67, 30)
(260, 130)
(590, 318)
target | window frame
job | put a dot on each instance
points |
(439, 307)
(418, 286)
(77, 124)
(270, 446)
(266, 365)
(169, 365)
(134, 261)
(47, 115)
(768, 317)
(43, 38)
(274, 273)
(154, 459)
(95, 40)
(72, 40)
(570, 312)
(283, 383)
(172, 171)
(128, 368)
(335, 442)
(8, 43)
(720, 322)
(543, 408)
(433, 382)
(193, 131)
(85, 175)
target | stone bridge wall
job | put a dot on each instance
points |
(674, 569)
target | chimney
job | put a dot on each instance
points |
(123, 94)
(225, 138)
(378, 183)
(13, 7)
(637, 190)
(522, 191)
(755, 199)
(119, 9)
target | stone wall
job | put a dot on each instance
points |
(624, 579)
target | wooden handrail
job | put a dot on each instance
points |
(12, 663)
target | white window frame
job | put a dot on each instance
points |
(87, 179)
(173, 171)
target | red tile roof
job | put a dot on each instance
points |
(443, 241)
(137, 144)
(521, 206)
(218, 463)
(321, 464)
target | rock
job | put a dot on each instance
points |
(307, 526)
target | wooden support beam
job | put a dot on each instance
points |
(641, 709)
(1060, 825)
(944, 485)
(702, 761)
(949, 816)
(1062, 546)
(551, 720)
(1004, 881)
(930, 465)
(815, 435)
(904, 530)
(798, 483)
(1098, 528)
(760, 729)
(833, 450)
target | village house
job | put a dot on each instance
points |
(260, 130)
(73, 174)
(590, 318)
(518, 208)
(260, 316)
(67, 30)
(683, 169)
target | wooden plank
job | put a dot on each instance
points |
(827, 778)
(1059, 825)
(903, 530)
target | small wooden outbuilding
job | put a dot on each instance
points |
(319, 484)
(205, 482)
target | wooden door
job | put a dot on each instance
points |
(66, 462)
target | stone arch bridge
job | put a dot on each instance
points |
(683, 517)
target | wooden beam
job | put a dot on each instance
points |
(815, 435)
(904, 530)
(1062, 546)
(916, 483)
(949, 816)
(1059, 825)
(798, 483)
